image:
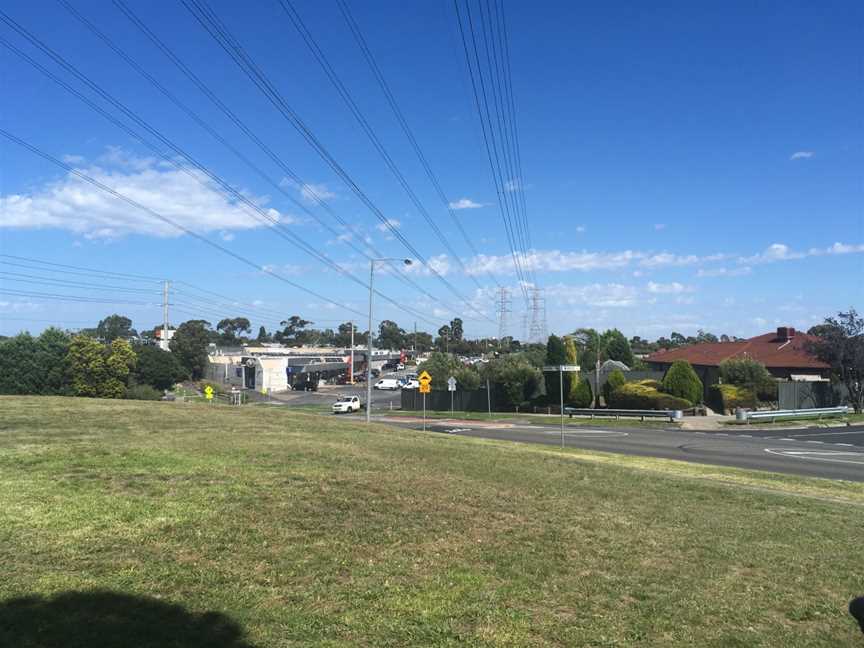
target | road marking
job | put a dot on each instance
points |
(831, 456)
(786, 439)
(814, 442)
(721, 434)
(827, 433)
(850, 445)
(746, 436)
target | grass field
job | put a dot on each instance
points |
(167, 524)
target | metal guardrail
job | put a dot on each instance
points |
(618, 413)
(772, 415)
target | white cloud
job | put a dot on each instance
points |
(673, 288)
(226, 236)
(580, 229)
(465, 203)
(440, 264)
(70, 203)
(310, 192)
(609, 295)
(659, 226)
(391, 223)
(801, 155)
(782, 252)
(724, 272)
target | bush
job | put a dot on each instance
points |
(143, 392)
(642, 396)
(613, 382)
(682, 381)
(582, 396)
(157, 368)
(746, 372)
(725, 398)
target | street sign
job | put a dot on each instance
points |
(451, 384)
(561, 368)
(424, 377)
(208, 392)
(425, 388)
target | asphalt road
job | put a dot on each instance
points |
(832, 453)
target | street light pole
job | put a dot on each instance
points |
(372, 263)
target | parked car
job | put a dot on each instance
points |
(410, 384)
(346, 405)
(390, 384)
(400, 367)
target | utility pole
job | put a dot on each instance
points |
(164, 339)
(414, 346)
(351, 375)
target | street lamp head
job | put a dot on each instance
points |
(407, 262)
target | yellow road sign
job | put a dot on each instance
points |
(208, 392)
(424, 377)
(425, 388)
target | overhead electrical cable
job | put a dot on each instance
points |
(403, 122)
(491, 148)
(155, 214)
(211, 23)
(367, 128)
(290, 236)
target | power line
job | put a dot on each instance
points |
(211, 23)
(319, 56)
(400, 117)
(130, 201)
(491, 148)
(279, 229)
(216, 135)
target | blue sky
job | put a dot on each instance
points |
(685, 167)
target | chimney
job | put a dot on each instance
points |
(785, 333)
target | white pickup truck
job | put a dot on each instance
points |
(346, 405)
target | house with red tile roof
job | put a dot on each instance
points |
(783, 352)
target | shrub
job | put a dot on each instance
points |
(641, 396)
(682, 381)
(613, 382)
(749, 373)
(143, 392)
(725, 398)
(581, 396)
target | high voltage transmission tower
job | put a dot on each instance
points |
(537, 331)
(503, 308)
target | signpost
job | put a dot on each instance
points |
(208, 393)
(451, 387)
(561, 369)
(425, 381)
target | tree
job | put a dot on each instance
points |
(293, 332)
(31, 365)
(263, 337)
(444, 337)
(617, 347)
(749, 373)
(571, 379)
(614, 381)
(114, 327)
(442, 365)
(517, 378)
(840, 344)
(681, 381)
(456, 331)
(422, 341)
(87, 368)
(99, 371)
(390, 336)
(581, 395)
(231, 327)
(157, 368)
(556, 354)
(120, 362)
(190, 344)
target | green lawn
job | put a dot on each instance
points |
(169, 524)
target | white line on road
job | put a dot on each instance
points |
(831, 456)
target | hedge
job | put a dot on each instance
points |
(639, 395)
(615, 380)
(683, 382)
(725, 398)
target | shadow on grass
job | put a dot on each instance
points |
(105, 619)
